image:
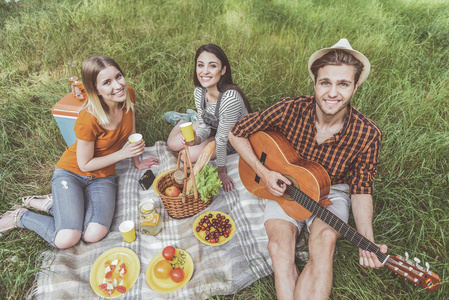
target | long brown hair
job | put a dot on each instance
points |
(225, 83)
(90, 69)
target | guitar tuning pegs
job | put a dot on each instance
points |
(406, 256)
(427, 266)
(417, 260)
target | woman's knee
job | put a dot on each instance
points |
(173, 144)
(95, 232)
(67, 238)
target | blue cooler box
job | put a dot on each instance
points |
(66, 112)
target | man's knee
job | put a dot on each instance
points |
(281, 239)
(322, 243)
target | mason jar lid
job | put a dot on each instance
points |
(147, 206)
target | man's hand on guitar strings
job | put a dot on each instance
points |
(369, 259)
(276, 183)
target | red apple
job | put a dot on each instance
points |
(172, 191)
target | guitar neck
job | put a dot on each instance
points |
(335, 222)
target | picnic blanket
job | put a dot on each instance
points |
(218, 270)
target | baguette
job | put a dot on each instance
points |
(203, 160)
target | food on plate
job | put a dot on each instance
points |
(207, 182)
(172, 191)
(122, 270)
(179, 260)
(172, 266)
(120, 288)
(203, 160)
(168, 252)
(215, 227)
(177, 275)
(162, 269)
(110, 283)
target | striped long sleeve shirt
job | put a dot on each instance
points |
(232, 109)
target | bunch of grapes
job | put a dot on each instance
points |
(214, 227)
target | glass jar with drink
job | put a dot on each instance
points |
(149, 220)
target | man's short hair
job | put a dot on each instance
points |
(337, 57)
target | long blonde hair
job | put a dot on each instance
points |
(95, 104)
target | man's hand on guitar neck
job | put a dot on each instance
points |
(362, 208)
(369, 259)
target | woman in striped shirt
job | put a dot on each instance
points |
(219, 102)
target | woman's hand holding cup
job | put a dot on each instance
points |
(188, 133)
(135, 145)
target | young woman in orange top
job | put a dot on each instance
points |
(83, 185)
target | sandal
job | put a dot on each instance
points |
(15, 211)
(27, 200)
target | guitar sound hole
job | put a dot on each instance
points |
(294, 183)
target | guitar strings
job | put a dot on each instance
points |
(335, 222)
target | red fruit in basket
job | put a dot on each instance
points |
(172, 191)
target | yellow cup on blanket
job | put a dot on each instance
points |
(134, 138)
(187, 131)
(128, 231)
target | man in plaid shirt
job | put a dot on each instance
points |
(326, 129)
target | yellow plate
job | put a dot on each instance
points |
(202, 234)
(157, 179)
(168, 285)
(124, 255)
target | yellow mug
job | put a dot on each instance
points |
(128, 231)
(187, 131)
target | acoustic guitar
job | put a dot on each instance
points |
(310, 187)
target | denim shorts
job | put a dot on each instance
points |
(339, 196)
(80, 200)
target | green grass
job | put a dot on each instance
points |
(268, 44)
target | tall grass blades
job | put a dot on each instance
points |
(268, 44)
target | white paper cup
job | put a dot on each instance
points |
(128, 231)
(135, 137)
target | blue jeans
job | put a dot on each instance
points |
(77, 201)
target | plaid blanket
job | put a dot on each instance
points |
(220, 270)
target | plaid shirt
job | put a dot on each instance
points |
(350, 156)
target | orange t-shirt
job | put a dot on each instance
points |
(106, 141)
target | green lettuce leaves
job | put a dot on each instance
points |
(207, 182)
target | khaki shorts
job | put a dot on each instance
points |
(339, 195)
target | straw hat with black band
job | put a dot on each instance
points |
(343, 44)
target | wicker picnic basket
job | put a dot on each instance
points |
(185, 205)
